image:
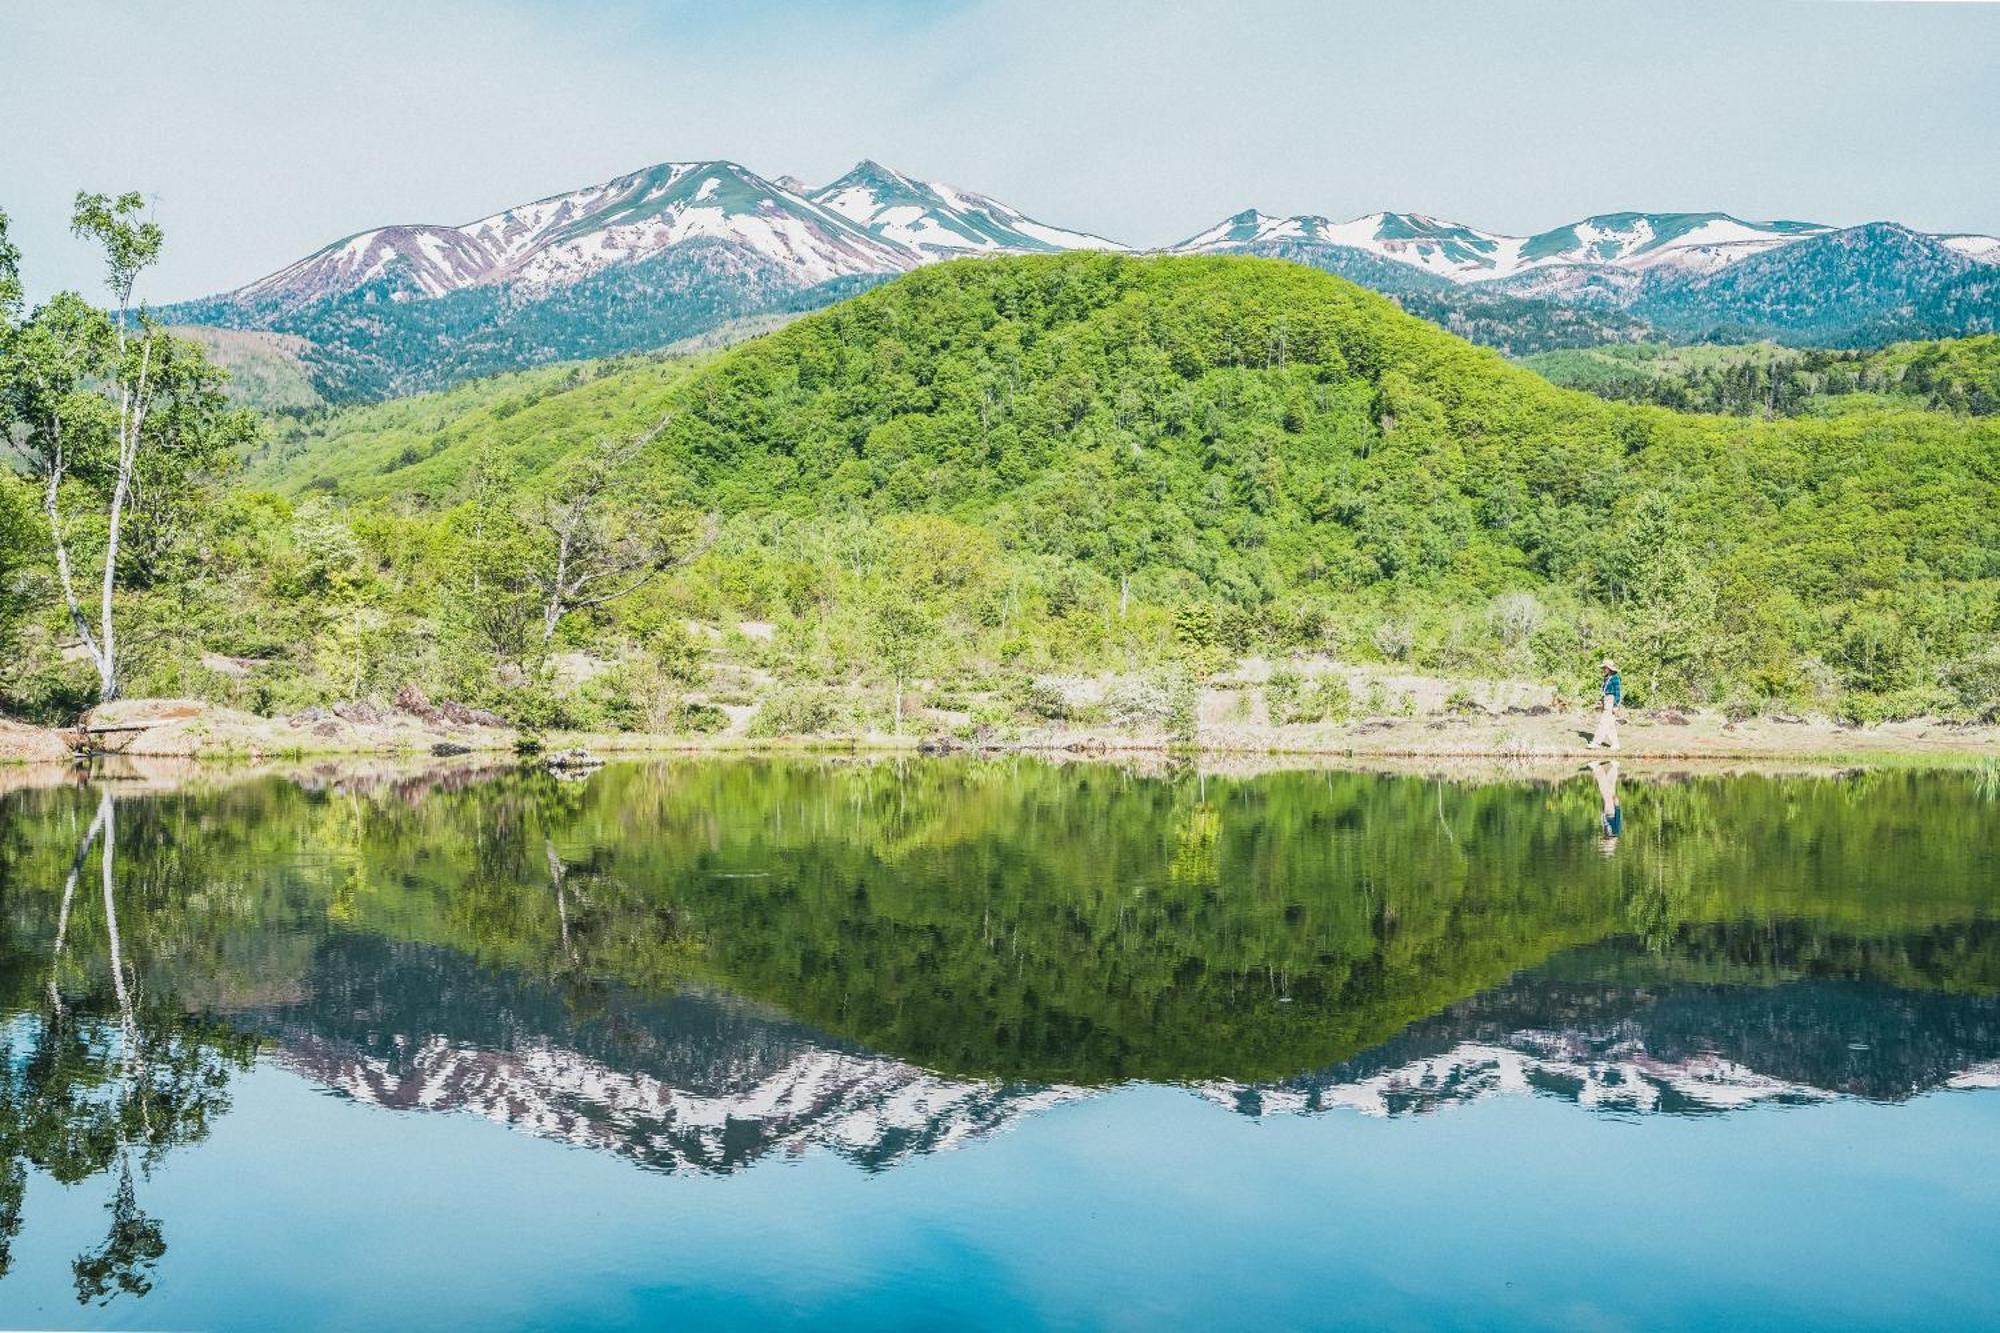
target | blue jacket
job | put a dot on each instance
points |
(1615, 688)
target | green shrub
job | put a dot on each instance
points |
(1974, 685)
(1044, 699)
(1394, 639)
(1461, 702)
(995, 711)
(803, 711)
(681, 655)
(1292, 699)
(617, 700)
(697, 719)
(1281, 696)
(1328, 699)
(51, 693)
(1183, 709)
(538, 706)
(1144, 702)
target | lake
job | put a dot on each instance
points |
(1001, 1044)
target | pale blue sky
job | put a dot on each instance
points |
(265, 130)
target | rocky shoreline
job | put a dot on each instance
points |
(189, 729)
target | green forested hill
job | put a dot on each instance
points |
(424, 449)
(267, 371)
(992, 467)
(1004, 975)
(1288, 444)
(1763, 379)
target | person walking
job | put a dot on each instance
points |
(1612, 696)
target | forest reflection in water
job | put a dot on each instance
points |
(694, 965)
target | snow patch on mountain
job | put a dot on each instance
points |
(870, 221)
(558, 240)
(872, 1110)
(875, 220)
(1979, 249)
(1979, 1076)
(1623, 1079)
(938, 220)
(1696, 242)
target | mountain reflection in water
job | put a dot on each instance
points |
(698, 965)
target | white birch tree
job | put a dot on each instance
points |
(106, 403)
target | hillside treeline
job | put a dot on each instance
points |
(997, 468)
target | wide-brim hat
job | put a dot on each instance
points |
(1609, 665)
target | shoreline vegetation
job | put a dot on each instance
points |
(414, 774)
(1233, 723)
(1077, 502)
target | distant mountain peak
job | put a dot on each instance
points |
(935, 220)
(681, 248)
(873, 220)
(561, 238)
(1634, 241)
(869, 169)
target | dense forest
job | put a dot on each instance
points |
(1098, 927)
(1761, 379)
(991, 469)
(1260, 943)
(1478, 312)
(372, 343)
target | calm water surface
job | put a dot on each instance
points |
(1001, 1044)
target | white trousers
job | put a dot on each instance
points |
(1607, 725)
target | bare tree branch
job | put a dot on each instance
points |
(597, 555)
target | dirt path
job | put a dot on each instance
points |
(185, 729)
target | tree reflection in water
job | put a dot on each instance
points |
(697, 965)
(97, 1077)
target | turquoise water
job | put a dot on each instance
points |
(1003, 1045)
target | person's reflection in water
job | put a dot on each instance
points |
(1613, 825)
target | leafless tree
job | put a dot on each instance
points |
(598, 551)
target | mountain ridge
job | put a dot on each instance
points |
(855, 209)
(676, 249)
(563, 237)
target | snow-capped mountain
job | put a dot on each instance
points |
(682, 249)
(738, 1085)
(1689, 276)
(1862, 286)
(701, 1079)
(697, 1079)
(1623, 1079)
(1659, 1047)
(871, 1110)
(1446, 249)
(1695, 242)
(871, 221)
(558, 240)
(937, 220)
(670, 252)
